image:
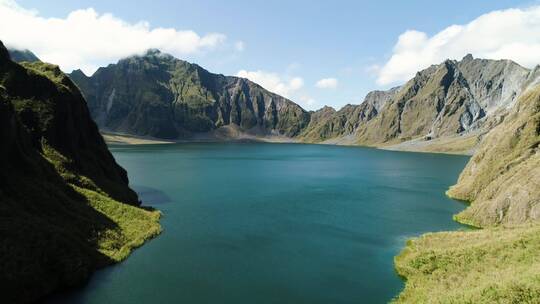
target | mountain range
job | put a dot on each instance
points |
(445, 108)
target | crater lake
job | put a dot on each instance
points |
(275, 223)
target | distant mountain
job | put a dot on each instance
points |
(65, 205)
(454, 99)
(328, 124)
(448, 99)
(158, 95)
(447, 107)
(22, 55)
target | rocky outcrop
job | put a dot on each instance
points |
(65, 205)
(502, 180)
(161, 96)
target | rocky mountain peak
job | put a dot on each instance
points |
(78, 73)
(152, 52)
(379, 98)
(326, 108)
(156, 53)
(468, 57)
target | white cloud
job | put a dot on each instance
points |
(85, 39)
(327, 83)
(506, 34)
(307, 101)
(284, 86)
(240, 46)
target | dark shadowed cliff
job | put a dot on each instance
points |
(65, 205)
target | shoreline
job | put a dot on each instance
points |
(409, 146)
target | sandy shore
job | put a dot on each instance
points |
(462, 145)
(124, 139)
(223, 134)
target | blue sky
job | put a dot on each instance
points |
(350, 41)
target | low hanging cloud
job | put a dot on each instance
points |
(274, 82)
(505, 34)
(86, 39)
(327, 83)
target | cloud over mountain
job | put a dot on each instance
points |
(505, 34)
(274, 82)
(87, 39)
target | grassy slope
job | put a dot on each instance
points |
(500, 263)
(134, 225)
(496, 265)
(65, 205)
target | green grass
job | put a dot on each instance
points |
(493, 265)
(134, 225)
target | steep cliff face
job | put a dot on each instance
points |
(161, 96)
(453, 98)
(65, 205)
(502, 179)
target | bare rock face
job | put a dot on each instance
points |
(161, 96)
(455, 98)
(502, 180)
(452, 98)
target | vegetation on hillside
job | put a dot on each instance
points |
(65, 205)
(499, 263)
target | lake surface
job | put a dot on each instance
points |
(275, 223)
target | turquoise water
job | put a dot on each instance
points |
(275, 223)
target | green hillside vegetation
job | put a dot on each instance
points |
(494, 265)
(501, 262)
(65, 205)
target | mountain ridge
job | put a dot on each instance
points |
(180, 99)
(453, 103)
